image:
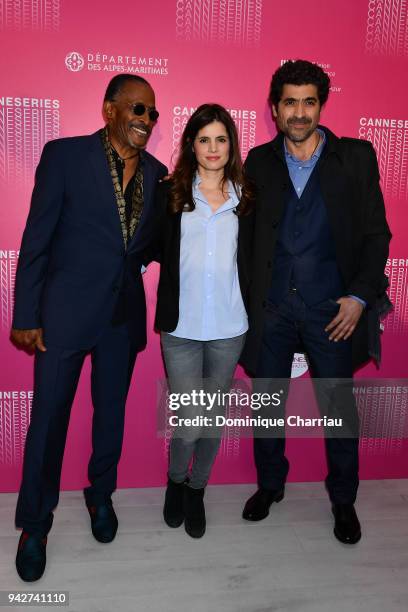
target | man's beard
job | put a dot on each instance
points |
(301, 137)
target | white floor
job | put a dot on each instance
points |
(290, 562)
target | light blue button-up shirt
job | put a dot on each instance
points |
(210, 304)
(300, 170)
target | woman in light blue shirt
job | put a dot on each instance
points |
(205, 232)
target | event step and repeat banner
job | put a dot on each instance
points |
(56, 59)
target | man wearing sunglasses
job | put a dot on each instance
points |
(79, 291)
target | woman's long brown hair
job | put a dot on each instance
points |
(181, 191)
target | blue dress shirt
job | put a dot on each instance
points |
(210, 304)
(300, 171)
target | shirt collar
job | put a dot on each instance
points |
(291, 158)
(199, 196)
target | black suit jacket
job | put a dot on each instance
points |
(73, 264)
(349, 180)
(167, 247)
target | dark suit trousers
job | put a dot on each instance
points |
(286, 326)
(56, 376)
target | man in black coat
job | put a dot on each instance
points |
(320, 243)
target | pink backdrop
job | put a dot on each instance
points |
(57, 57)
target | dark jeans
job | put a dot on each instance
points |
(286, 326)
(56, 376)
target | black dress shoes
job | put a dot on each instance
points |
(194, 512)
(257, 506)
(346, 526)
(104, 522)
(31, 557)
(173, 511)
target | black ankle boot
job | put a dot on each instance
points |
(173, 511)
(194, 512)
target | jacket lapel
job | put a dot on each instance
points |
(337, 190)
(148, 184)
(275, 180)
(104, 187)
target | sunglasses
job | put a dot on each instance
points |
(139, 109)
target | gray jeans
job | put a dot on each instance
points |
(196, 364)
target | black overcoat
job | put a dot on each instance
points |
(349, 180)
